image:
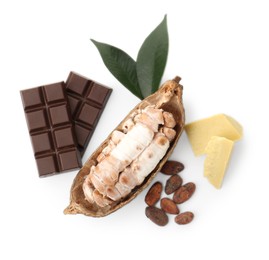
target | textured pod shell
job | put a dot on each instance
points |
(169, 98)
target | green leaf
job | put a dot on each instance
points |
(121, 65)
(151, 59)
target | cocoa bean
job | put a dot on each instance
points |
(172, 184)
(184, 193)
(184, 218)
(154, 193)
(169, 206)
(156, 215)
(172, 167)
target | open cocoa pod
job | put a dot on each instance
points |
(168, 98)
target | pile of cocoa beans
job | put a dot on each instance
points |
(180, 193)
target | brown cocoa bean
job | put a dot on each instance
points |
(156, 215)
(169, 206)
(172, 184)
(172, 167)
(184, 218)
(184, 192)
(154, 193)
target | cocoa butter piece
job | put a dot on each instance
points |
(154, 194)
(169, 206)
(184, 218)
(172, 167)
(184, 192)
(156, 215)
(172, 184)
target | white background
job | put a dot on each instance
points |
(221, 51)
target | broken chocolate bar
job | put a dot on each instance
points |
(87, 101)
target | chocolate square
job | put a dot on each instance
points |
(68, 160)
(88, 115)
(37, 120)
(54, 93)
(97, 94)
(42, 142)
(64, 137)
(59, 115)
(47, 165)
(32, 98)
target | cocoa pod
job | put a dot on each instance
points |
(172, 184)
(168, 98)
(184, 192)
(172, 167)
(184, 218)
(154, 193)
(169, 206)
(156, 215)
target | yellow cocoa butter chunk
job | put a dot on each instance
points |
(218, 152)
(200, 132)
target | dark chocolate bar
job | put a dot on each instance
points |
(87, 101)
(51, 129)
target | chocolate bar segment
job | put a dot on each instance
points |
(51, 130)
(87, 101)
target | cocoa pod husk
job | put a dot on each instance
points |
(168, 98)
